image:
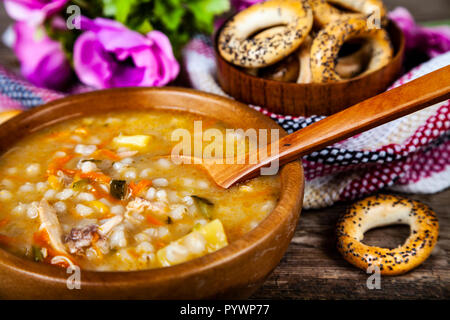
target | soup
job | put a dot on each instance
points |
(101, 192)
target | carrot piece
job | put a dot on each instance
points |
(153, 220)
(134, 253)
(104, 143)
(58, 164)
(136, 189)
(41, 239)
(99, 193)
(160, 244)
(95, 176)
(69, 172)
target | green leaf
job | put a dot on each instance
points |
(170, 13)
(144, 27)
(205, 10)
(178, 19)
(119, 9)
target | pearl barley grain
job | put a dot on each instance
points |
(60, 207)
(33, 169)
(83, 210)
(26, 188)
(32, 211)
(160, 182)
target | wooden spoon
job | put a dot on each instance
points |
(390, 105)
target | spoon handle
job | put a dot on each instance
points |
(390, 105)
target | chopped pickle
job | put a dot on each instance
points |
(118, 189)
(91, 160)
(202, 240)
(37, 254)
(80, 184)
(137, 141)
(204, 205)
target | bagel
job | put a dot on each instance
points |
(298, 69)
(237, 47)
(285, 70)
(304, 57)
(351, 65)
(325, 47)
(370, 8)
(324, 13)
(382, 210)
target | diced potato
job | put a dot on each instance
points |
(137, 141)
(201, 241)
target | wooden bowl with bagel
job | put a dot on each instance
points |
(274, 84)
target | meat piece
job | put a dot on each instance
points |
(50, 222)
(80, 238)
(106, 227)
(65, 179)
(105, 165)
(139, 205)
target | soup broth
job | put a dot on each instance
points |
(101, 193)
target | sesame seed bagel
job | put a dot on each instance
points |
(326, 46)
(351, 65)
(383, 210)
(237, 47)
(304, 59)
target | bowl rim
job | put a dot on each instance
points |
(391, 27)
(248, 242)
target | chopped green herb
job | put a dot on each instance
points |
(118, 189)
(37, 254)
(204, 205)
(80, 184)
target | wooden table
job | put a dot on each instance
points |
(313, 269)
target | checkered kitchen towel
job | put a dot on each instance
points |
(411, 154)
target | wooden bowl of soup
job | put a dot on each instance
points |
(92, 208)
(307, 99)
